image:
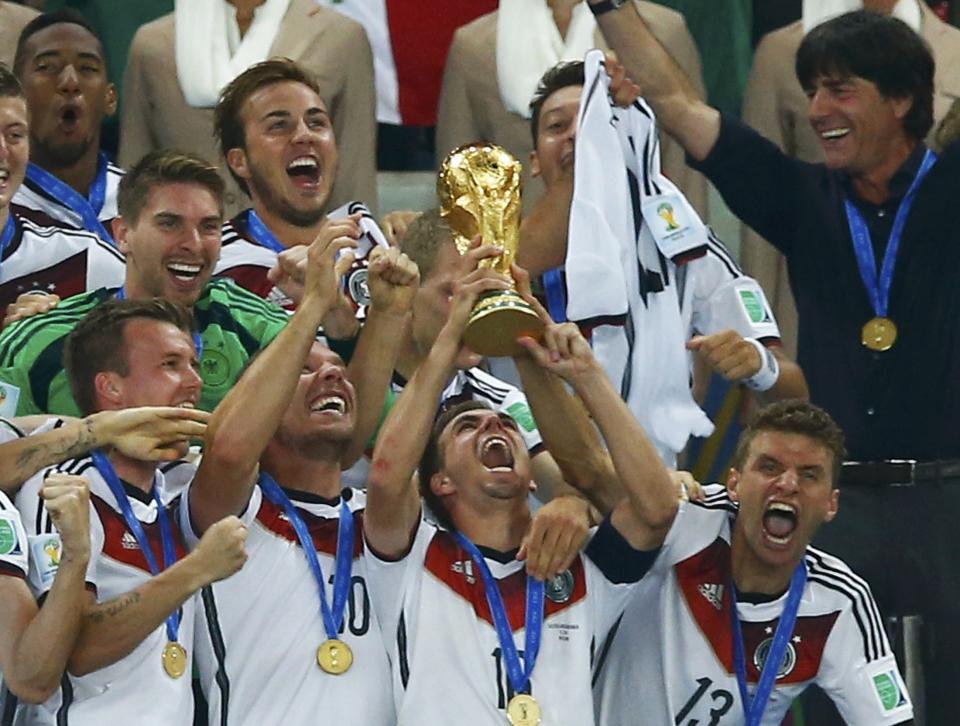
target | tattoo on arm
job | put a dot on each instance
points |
(35, 456)
(114, 607)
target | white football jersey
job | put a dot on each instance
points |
(258, 631)
(13, 563)
(671, 656)
(44, 207)
(445, 653)
(56, 260)
(119, 691)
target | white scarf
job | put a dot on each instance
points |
(205, 62)
(529, 44)
(816, 12)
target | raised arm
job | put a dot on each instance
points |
(567, 431)
(235, 438)
(644, 516)
(680, 111)
(143, 433)
(111, 630)
(393, 280)
(393, 503)
(36, 643)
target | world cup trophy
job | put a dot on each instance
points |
(479, 189)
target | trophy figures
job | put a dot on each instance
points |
(479, 190)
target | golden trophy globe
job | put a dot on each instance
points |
(479, 189)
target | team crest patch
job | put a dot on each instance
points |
(560, 588)
(520, 413)
(214, 367)
(786, 666)
(9, 397)
(45, 552)
(9, 540)
(358, 287)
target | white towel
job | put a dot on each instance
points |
(205, 63)
(646, 357)
(529, 44)
(816, 12)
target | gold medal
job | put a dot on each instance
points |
(523, 710)
(334, 656)
(879, 333)
(174, 659)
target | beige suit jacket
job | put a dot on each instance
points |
(776, 106)
(471, 108)
(330, 45)
(12, 19)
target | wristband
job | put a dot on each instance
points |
(766, 377)
(600, 8)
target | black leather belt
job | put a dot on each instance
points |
(898, 472)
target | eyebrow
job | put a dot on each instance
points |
(84, 55)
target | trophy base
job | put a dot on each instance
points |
(497, 320)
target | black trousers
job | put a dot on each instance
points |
(902, 540)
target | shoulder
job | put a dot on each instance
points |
(155, 35)
(65, 236)
(223, 297)
(311, 19)
(782, 42)
(479, 33)
(17, 15)
(37, 331)
(832, 579)
(487, 387)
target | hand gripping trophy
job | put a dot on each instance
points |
(479, 190)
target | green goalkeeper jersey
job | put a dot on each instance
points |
(233, 323)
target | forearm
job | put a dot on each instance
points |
(543, 232)
(680, 112)
(645, 480)
(791, 383)
(370, 371)
(570, 436)
(41, 653)
(392, 497)
(235, 439)
(111, 630)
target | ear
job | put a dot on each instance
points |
(534, 164)
(441, 485)
(901, 106)
(733, 481)
(108, 387)
(111, 106)
(237, 161)
(834, 506)
(120, 229)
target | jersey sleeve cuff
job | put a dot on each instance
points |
(617, 560)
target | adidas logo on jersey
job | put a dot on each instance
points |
(465, 568)
(713, 593)
(129, 542)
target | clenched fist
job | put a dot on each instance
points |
(221, 549)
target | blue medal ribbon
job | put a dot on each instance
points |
(879, 290)
(753, 708)
(556, 294)
(261, 234)
(109, 474)
(519, 675)
(197, 340)
(332, 617)
(9, 229)
(88, 208)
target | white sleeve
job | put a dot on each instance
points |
(695, 526)
(13, 540)
(44, 540)
(191, 537)
(724, 298)
(866, 692)
(394, 584)
(515, 403)
(9, 431)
